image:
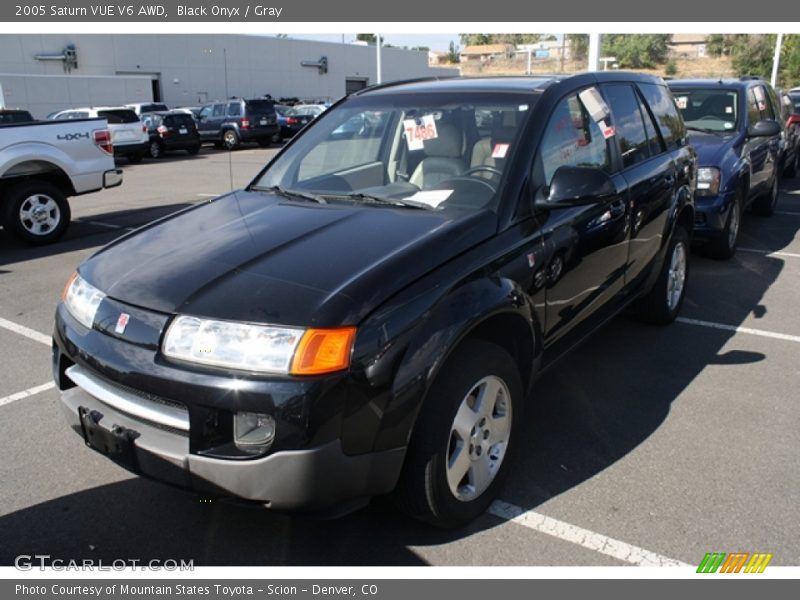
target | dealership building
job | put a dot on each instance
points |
(48, 72)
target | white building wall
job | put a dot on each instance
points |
(191, 68)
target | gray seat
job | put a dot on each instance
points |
(442, 158)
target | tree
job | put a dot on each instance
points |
(637, 51)
(717, 45)
(421, 48)
(753, 54)
(452, 53)
(578, 45)
(475, 39)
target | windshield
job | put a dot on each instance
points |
(433, 151)
(713, 110)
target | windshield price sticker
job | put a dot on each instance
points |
(432, 198)
(500, 150)
(419, 130)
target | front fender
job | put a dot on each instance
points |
(402, 348)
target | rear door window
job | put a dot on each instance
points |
(219, 110)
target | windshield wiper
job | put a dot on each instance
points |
(290, 194)
(702, 129)
(369, 198)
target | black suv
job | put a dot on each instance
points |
(370, 313)
(231, 122)
(736, 127)
(15, 115)
(171, 130)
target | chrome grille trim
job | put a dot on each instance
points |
(135, 404)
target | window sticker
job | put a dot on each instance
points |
(419, 130)
(729, 110)
(522, 107)
(432, 198)
(682, 102)
(500, 150)
(727, 125)
(594, 104)
(608, 130)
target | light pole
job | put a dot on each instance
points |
(378, 51)
(776, 61)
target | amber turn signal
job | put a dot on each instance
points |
(323, 351)
(66, 285)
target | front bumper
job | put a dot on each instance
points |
(711, 215)
(172, 420)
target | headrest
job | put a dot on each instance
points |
(447, 143)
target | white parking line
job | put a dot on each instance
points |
(208, 195)
(723, 326)
(582, 537)
(770, 252)
(27, 393)
(102, 224)
(26, 331)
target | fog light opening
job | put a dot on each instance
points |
(253, 432)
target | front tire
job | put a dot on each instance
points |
(663, 303)
(36, 212)
(765, 205)
(459, 451)
(723, 246)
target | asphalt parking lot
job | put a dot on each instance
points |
(647, 446)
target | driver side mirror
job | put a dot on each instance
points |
(764, 128)
(575, 186)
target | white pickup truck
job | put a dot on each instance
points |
(43, 163)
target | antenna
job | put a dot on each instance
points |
(230, 158)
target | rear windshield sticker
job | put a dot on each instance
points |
(500, 150)
(419, 130)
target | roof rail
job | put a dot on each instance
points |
(380, 86)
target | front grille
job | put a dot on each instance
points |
(156, 411)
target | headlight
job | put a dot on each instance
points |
(262, 348)
(81, 299)
(708, 181)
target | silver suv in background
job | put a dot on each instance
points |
(128, 133)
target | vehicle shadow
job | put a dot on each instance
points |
(83, 233)
(594, 408)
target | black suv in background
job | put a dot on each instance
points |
(171, 130)
(371, 312)
(15, 115)
(231, 122)
(736, 127)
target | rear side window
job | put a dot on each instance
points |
(572, 138)
(234, 109)
(663, 106)
(628, 123)
(219, 110)
(118, 116)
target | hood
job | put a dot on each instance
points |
(256, 257)
(711, 147)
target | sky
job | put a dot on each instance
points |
(435, 41)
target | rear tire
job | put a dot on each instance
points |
(155, 150)
(230, 139)
(460, 448)
(36, 212)
(663, 303)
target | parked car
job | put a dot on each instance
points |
(15, 115)
(171, 130)
(289, 121)
(191, 110)
(736, 127)
(128, 134)
(313, 110)
(146, 107)
(42, 164)
(369, 314)
(791, 119)
(231, 122)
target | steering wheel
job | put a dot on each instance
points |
(482, 168)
